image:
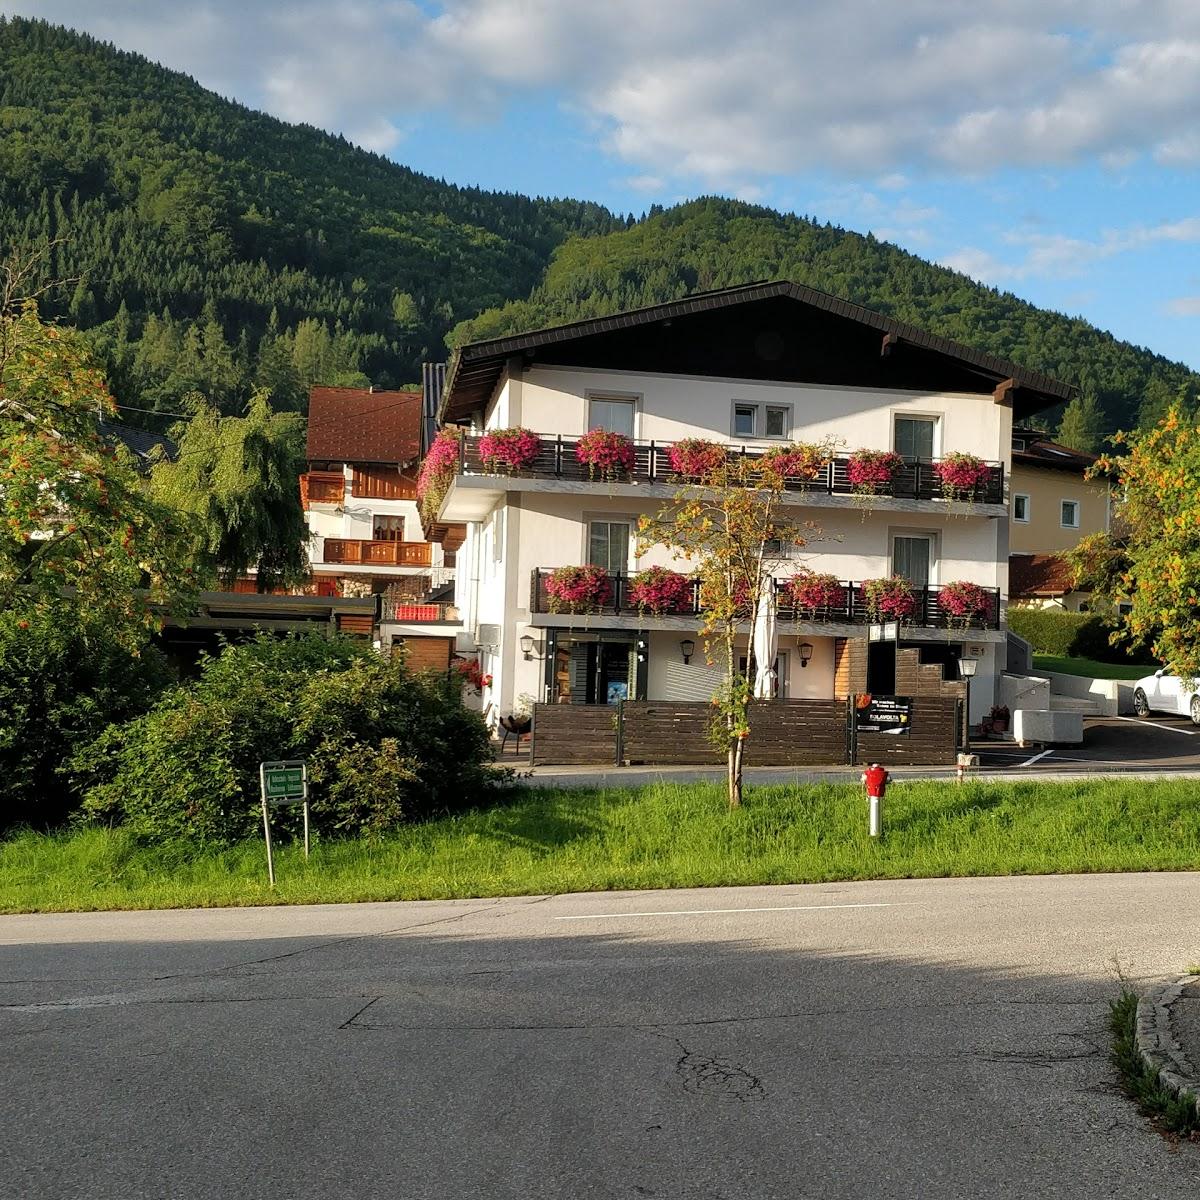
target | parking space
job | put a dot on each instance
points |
(1160, 743)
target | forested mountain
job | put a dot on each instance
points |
(215, 249)
(713, 243)
(198, 229)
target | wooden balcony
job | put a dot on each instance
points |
(322, 487)
(852, 610)
(916, 480)
(377, 553)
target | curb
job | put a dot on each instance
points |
(1157, 1045)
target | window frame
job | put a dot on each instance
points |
(759, 410)
(602, 518)
(633, 399)
(928, 535)
(1021, 496)
(933, 419)
(1078, 513)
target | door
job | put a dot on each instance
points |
(608, 545)
(912, 558)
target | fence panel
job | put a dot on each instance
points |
(932, 740)
(574, 733)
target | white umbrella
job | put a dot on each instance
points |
(766, 643)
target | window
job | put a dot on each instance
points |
(914, 436)
(1070, 514)
(1124, 608)
(761, 420)
(388, 529)
(912, 558)
(779, 686)
(608, 545)
(778, 548)
(614, 415)
(1020, 507)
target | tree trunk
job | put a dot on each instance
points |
(736, 749)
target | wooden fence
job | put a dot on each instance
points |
(783, 733)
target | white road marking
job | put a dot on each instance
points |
(1156, 725)
(1036, 758)
(703, 912)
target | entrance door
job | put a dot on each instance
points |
(912, 558)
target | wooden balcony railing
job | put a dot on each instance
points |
(916, 480)
(322, 487)
(853, 610)
(391, 554)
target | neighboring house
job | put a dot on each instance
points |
(359, 494)
(1053, 505)
(749, 367)
(147, 447)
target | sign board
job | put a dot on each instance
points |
(284, 782)
(973, 650)
(888, 631)
(882, 714)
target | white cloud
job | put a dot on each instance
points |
(1184, 306)
(702, 90)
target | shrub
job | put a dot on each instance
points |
(607, 453)
(660, 590)
(60, 686)
(382, 744)
(578, 589)
(1072, 635)
(509, 449)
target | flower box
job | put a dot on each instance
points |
(578, 589)
(870, 470)
(696, 458)
(509, 449)
(438, 471)
(811, 593)
(889, 599)
(796, 461)
(964, 602)
(659, 590)
(961, 475)
(607, 454)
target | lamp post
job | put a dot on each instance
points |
(967, 668)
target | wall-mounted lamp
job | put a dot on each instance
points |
(687, 648)
(527, 647)
(806, 653)
(968, 667)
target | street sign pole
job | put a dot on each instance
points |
(282, 783)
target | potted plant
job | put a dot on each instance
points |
(800, 460)
(578, 589)
(696, 458)
(872, 471)
(961, 475)
(812, 593)
(963, 602)
(611, 455)
(659, 590)
(999, 717)
(438, 471)
(889, 599)
(509, 450)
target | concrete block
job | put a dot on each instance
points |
(1042, 725)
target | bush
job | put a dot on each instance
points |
(383, 745)
(1071, 635)
(60, 686)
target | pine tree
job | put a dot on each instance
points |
(1082, 425)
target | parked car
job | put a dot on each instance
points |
(1163, 692)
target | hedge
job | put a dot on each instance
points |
(1071, 635)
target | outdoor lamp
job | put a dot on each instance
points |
(527, 647)
(687, 648)
(806, 652)
(968, 666)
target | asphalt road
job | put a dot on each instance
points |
(913, 1038)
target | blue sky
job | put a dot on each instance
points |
(1051, 148)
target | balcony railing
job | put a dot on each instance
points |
(416, 614)
(381, 553)
(916, 480)
(927, 612)
(322, 487)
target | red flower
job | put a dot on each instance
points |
(696, 458)
(660, 591)
(611, 454)
(578, 589)
(513, 449)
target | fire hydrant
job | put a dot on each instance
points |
(875, 779)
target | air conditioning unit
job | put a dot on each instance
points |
(487, 635)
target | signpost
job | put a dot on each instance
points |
(282, 783)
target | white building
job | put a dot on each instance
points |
(750, 367)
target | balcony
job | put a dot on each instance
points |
(322, 487)
(556, 459)
(928, 614)
(355, 551)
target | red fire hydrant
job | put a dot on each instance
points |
(875, 779)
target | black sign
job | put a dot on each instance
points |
(882, 714)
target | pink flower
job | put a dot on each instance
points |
(961, 473)
(964, 600)
(871, 469)
(696, 458)
(892, 597)
(512, 449)
(578, 589)
(660, 591)
(438, 469)
(810, 592)
(611, 454)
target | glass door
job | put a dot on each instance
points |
(608, 545)
(912, 558)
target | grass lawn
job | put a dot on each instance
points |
(1089, 667)
(666, 835)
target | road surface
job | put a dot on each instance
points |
(937, 1038)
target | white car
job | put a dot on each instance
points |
(1166, 693)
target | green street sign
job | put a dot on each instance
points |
(283, 782)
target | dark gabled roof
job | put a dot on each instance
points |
(1033, 576)
(1041, 451)
(142, 442)
(478, 367)
(361, 425)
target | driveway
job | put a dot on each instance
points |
(940, 1038)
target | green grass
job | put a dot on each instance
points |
(1089, 667)
(1171, 1112)
(663, 836)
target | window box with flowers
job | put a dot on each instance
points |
(578, 589)
(509, 450)
(438, 471)
(607, 454)
(812, 594)
(889, 599)
(659, 590)
(871, 471)
(696, 458)
(962, 476)
(964, 603)
(797, 461)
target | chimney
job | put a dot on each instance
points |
(371, 389)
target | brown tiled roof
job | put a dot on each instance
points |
(359, 425)
(1032, 575)
(1043, 452)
